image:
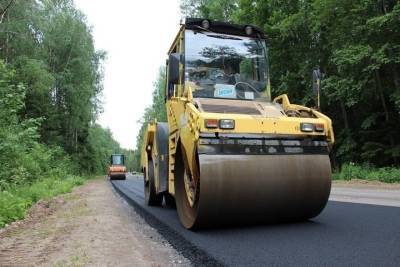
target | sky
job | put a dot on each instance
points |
(136, 36)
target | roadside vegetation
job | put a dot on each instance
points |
(350, 171)
(356, 46)
(50, 90)
(15, 200)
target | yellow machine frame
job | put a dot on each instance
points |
(186, 122)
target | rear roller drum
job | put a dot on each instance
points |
(151, 197)
(118, 177)
(251, 189)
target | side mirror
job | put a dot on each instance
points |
(316, 86)
(166, 93)
(173, 68)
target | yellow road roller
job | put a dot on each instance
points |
(229, 154)
(117, 169)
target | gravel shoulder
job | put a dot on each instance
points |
(92, 226)
(358, 183)
(366, 192)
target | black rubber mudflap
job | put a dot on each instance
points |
(162, 159)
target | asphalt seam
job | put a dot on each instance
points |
(197, 256)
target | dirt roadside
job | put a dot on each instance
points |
(92, 226)
(366, 192)
(358, 183)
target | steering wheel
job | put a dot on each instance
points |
(249, 86)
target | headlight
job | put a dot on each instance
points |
(307, 127)
(226, 124)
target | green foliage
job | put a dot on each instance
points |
(129, 159)
(50, 82)
(366, 172)
(221, 9)
(356, 45)
(23, 158)
(24, 161)
(50, 49)
(15, 200)
(102, 145)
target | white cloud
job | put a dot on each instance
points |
(136, 36)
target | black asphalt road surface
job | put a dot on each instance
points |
(344, 234)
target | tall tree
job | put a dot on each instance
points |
(48, 46)
(355, 43)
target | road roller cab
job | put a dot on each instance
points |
(117, 169)
(229, 153)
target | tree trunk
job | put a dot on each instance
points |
(7, 41)
(5, 10)
(379, 88)
(396, 78)
(76, 140)
(344, 114)
(385, 109)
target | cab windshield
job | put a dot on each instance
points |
(225, 66)
(117, 160)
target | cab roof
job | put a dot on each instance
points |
(224, 27)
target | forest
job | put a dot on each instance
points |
(50, 97)
(355, 44)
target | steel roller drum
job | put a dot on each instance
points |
(248, 189)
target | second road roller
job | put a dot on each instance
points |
(229, 154)
(117, 169)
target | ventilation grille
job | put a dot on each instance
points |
(230, 109)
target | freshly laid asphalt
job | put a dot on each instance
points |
(344, 234)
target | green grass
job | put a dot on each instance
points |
(16, 200)
(366, 172)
